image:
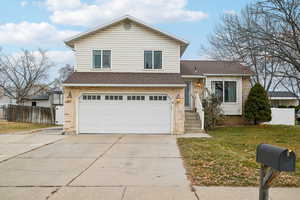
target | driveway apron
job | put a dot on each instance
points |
(121, 167)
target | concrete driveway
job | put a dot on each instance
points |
(102, 167)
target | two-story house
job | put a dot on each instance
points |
(129, 79)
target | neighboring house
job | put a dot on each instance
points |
(129, 79)
(50, 98)
(5, 99)
(283, 98)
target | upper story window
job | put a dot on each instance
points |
(101, 59)
(152, 59)
(225, 90)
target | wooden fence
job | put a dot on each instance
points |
(30, 114)
(2, 112)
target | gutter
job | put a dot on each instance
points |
(228, 74)
(121, 85)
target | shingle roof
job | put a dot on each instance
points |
(124, 78)
(282, 94)
(201, 67)
(40, 97)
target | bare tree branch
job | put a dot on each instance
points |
(21, 75)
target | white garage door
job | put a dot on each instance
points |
(124, 113)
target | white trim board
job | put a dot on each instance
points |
(193, 76)
(283, 98)
(228, 74)
(122, 85)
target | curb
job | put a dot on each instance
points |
(31, 131)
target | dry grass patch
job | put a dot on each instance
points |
(228, 158)
(11, 127)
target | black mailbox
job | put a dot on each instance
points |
(278, 158)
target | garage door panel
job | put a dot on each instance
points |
(125, 117)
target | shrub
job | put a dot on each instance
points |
(257, 106)
(297, 108)
(212, 111)
(283, 106)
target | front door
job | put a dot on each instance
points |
(187, 95)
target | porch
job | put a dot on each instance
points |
(194, 113)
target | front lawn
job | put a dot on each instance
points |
(11, 127)
(228, 158)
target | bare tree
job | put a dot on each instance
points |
(232, 41)
(21, 74)
(288, 80)
(281, 36)
(63, 74)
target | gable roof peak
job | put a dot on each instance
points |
(69, 41)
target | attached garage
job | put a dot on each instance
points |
(126, 103)
(124, 113)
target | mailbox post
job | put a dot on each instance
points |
(273, 160)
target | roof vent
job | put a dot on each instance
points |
(127, 25)
(196, 69)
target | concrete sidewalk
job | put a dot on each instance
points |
(245, 193)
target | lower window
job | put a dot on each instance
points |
(230, 91)
(225, 90)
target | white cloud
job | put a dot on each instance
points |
(63, 4)
(230, 12)
(61, 57)
(206, 57)
(23, 3)
(37, 34)
(75, 12)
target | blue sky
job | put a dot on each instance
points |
(33, 24)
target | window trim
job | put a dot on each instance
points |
(101, 67)
(152, 67)
(93, 63)
(224, 89)
(223, 83)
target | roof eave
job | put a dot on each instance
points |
(228, 74)
(120, 85)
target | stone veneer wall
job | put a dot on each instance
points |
(72, 95)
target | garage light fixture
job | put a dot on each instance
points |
(69, 95)
(199, 84)
(179, 99)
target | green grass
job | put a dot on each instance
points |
(11, 127)
(228, 158)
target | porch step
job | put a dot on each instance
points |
(194, 131)
(190, 113)
(188, 125)
(192, 118)
(192, 122)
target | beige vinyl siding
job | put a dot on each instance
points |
(127, 49)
